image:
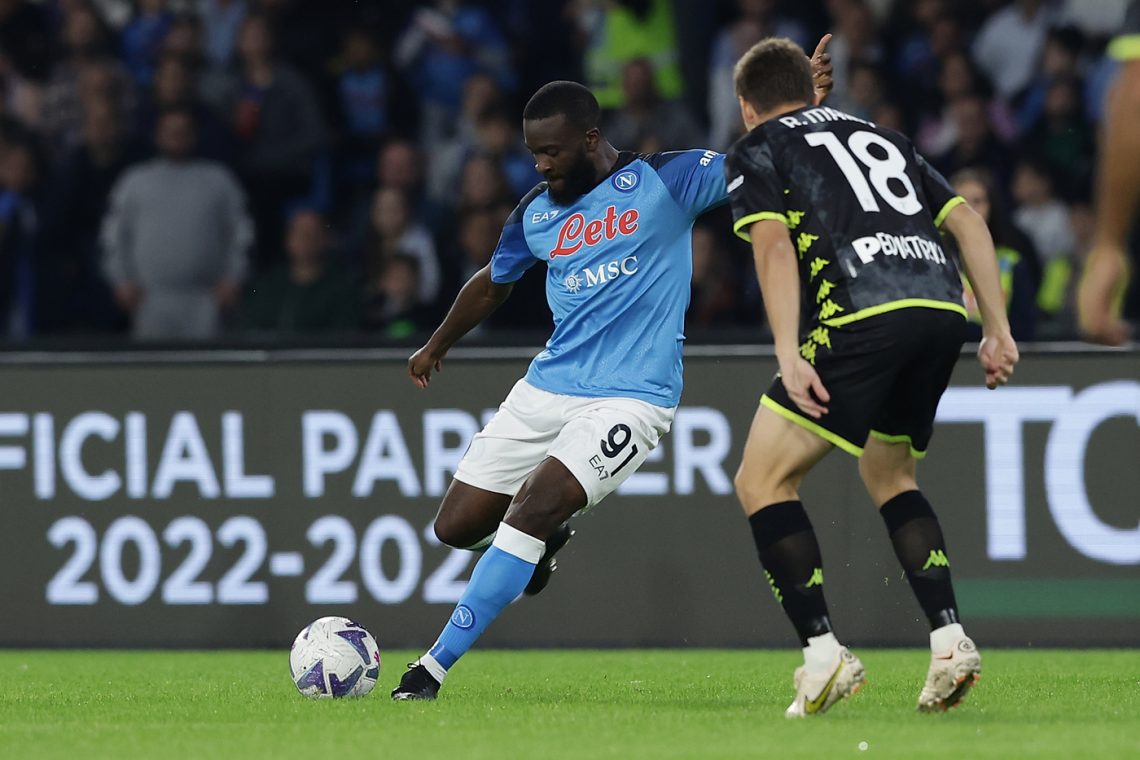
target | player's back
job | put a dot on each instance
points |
(862, 208)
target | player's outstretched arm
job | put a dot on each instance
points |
(821, 71)
(1117, 198)
(779, 277)
(998, 352)
(475, 302)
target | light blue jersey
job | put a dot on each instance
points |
(619, 262)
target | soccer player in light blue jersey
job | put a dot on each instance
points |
(614, 230)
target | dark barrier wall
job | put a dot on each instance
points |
(228, 503)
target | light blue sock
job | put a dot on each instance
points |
(500, 575)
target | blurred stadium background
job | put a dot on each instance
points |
(355, 162)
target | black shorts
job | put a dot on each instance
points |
(885, 375)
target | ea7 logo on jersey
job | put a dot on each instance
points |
(576, 231)
(544, 216)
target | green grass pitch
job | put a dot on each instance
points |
(561, 704)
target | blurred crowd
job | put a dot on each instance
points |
(285, 169)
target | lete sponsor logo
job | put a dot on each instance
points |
(576, 231)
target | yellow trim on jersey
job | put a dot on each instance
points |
(804, 422)
(957, 200)
(899, 439)
(883, 308)
(748, 221)
(1126, 47)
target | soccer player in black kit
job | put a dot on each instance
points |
(866, 309)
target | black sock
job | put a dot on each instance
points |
(790, 555)
(918, 542)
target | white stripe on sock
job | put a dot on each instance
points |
(438, 672)
(518, 544)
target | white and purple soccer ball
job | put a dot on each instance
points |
(334, 657)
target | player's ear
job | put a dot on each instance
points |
(593, 137)
(747, 113)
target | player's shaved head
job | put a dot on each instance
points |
(774, 72)
(568, 99)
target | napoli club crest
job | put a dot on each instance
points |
(625, 181)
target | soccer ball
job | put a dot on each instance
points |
(334, 657)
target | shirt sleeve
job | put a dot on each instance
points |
(939, 194)
(754, 187)
(1126, 46)
(512, 256)
(695, 178)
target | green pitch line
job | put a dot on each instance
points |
(562, 704)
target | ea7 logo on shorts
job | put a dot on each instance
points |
(626, 181)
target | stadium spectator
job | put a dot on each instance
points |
(307, 293)
(142, 39)
(975, 143)
(959, 78)
(1060, 59)
(1040, 213)
(19, 237)
(279, 133)
(620, 31)
(392, 306)
(1062, 137)
(758, 19)
(441, 48)
(175, 238)
(86, 71)
(364, 89)
(712, 295)
(221, 22)
(1009, 43)
(856, 41)
(483, 184)
(175, 85)
(646, 121)
(1018, 268)
(74, 206)
(1057, 296)
(394, 231)
(480, 96)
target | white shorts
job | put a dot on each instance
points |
(602, 441)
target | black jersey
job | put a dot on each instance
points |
(862, 208)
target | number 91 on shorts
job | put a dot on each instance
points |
(602, 441)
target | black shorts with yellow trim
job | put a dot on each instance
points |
(885, 375)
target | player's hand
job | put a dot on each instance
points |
(421, 364)
(801, 381)
(821, 70)
(998, 355)
(1105, 276)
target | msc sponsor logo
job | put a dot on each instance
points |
(601, 274)
(626, 181)
(576, 231)
(903, 246)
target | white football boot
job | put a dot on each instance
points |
(951, 675)
(817, 692)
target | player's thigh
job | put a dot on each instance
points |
(468, 515)
(513, 443)
(549, 497)
(604, 441)
(931, 342)
(857, 364)
(777, 455)
(887, 469)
